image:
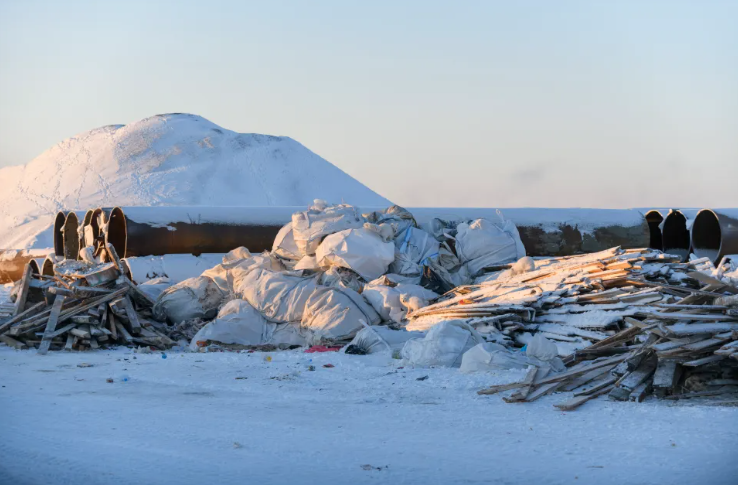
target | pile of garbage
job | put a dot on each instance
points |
(457, 293)
(84, 305)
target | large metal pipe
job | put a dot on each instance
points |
(558, 232)
(71, 236)
(143, 231)
(676, 229)
(61, 217)
(715, 233)
(654, 219)
(13, 262)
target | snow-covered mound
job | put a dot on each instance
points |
(173, 159)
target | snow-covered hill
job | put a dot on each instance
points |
(173, 159)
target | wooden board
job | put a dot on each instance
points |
(133, 321)
(20, 302)
(43, 348)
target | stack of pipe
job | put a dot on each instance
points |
(157, 231)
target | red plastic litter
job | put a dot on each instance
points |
(322, 348)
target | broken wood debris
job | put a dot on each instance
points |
(86, 307)
(658, 328)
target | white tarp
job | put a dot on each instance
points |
(310, 227)
(360, 250)
(238, 273)
(392, 302)
(154, 288)
(196, 297)
(413, 247)
(482, 243)
(240, 323)
(443, 345)
(342, 278)
(280, 297)
(336, 314)
(489, 356)
(375, 339)
(284, 244)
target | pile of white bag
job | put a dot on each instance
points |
(334, 275)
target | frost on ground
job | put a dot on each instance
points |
(266, 418)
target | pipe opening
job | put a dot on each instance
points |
(35, 269)
(95, 224)
(654, 219)
(47, 269)
(117, 232)
(71, 237)
(676, 235)
(86, 222)
(59, 234)
(707, 235)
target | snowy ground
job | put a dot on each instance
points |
(240, 418)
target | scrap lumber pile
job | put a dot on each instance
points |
(83, 306)
(627, 324)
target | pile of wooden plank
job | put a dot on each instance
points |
(83, 306)
(628, 324)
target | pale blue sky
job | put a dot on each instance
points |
(525, 103)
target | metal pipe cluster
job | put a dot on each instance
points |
(711, 233)
(144, 231)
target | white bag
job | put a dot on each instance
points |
(490, 356)
(443, 345)
(310, 227)
(360, 250)
(154, 288)
(481, 244)
(284, 244)
(238, 273)
(280, 297)
(237, 323)
(412, 248)
(392, 302)
(342, 278)
(240, 323)
(375, 339)
(196, 297)
(336, 314)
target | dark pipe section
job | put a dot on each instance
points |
(83, 242)
(59, 233)
(144, 231)
(47, 268)
(36, 265)
(201, 231)
(654, 219)
(71, 237)
(13, 262)
(676, 236)
(715, 233)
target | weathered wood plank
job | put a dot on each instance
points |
(20, 302)
(11, 342)
(29, 312)
(575, 402)
(134, 323)
(56, 308)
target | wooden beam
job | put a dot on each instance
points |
(132, 316)
(43, 348)
(28, 313)
(20, 302)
